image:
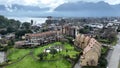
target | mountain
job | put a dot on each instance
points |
(16, 7)
(80, 6)
(116, 7)
(70, 9)
(90, 9)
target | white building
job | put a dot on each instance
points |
(96, 25)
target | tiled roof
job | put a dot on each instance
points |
(91, 49)
(42, 34)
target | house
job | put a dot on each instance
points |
(3, 29)
(91, 50)
(10, 36)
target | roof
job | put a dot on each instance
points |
(42, 34)
(90, 58)
(91, 49)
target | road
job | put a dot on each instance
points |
(77, 65)
(2, 57)
(114, 60)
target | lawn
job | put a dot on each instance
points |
(41, 49)
(15, 54)
(30, 62)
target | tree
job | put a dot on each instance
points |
(21, 33)
(26, 25)
(31, 22)
(9, 23)
(11, 43)
(10, 29)
(103, 62)
(3, 48)
(53, 52)
(3, 32)
(86, 29)
(41, 55)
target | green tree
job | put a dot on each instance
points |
(31, 22)
(10, 29)
(11, 43)
(20, 33)
(6, 23)
(26, 25)
(41, 56)
(53, 51)
(3, 32)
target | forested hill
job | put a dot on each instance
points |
(7, 23)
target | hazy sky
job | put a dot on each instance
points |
(50, 3)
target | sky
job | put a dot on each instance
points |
(52, 4)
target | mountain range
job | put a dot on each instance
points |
(80, 8)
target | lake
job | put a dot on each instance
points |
(36, 20)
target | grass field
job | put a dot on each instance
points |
(29, 62)
(15, 54)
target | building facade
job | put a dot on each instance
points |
(70, 30)
(40, 38)
(91, 50)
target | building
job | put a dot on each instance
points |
(95, 25)
(70, 30)
(91, 50)
(10, 36)
(39, 38)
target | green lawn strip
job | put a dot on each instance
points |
(15, 54)
(70, 50)
(51, 57)
(28, 62)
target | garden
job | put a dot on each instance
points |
(38, 58)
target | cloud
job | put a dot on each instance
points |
(113, 2)
(9, 8)
(52, 4)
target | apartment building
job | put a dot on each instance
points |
(91, 50)
(39, 38)
(70, 30)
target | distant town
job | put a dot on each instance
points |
(60, 43)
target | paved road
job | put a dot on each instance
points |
(77, 65)
(109, 55)
(114, 60)
(2, 57)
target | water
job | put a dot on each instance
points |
(2, 57)
(36, 20)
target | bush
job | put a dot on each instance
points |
(104, 50)
(67, 56)
(53, 52)
(102, 62)
(41, 55)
